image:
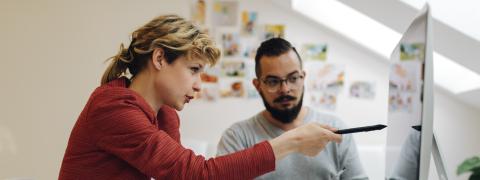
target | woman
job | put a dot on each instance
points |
(129, 128)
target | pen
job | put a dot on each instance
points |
(361, 129)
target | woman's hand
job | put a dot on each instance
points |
(309, 139)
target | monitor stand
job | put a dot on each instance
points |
(437, 158)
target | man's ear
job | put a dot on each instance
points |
(256, 83)
(158, 58)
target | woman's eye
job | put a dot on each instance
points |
(195, 69)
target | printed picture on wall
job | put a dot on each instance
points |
(210, 85)
(328, 77)
(249, 22)
(400, 102)
(403, 86)
(230, 44)
(324, 100)
(316, 52)
(232, 88)
(324, 84)
(225, 13)
(198, 12)
(403, 77)
(209, 92)
(273, 31)
(412, 51)
(209, 77)
(233, 68)
(249, 51)
(362, 90)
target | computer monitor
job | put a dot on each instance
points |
(410, 117)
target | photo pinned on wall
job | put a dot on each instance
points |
(225, 13)
(209, 92)
(210, 75)
(403, 76)
(324, 84)
(249, 51)
(233, 68)
(274, 31)
(400, 101)
(232, 88)
(327, 101)
(412, 51)
(230, 44)
(249, 47)
(328, 77)
(316, 52)
(362, 90)
(210, 85)
(249, 23)
(403, 86)
(198, 12)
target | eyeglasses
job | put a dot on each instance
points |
(273, 84)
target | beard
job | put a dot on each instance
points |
(284, 116)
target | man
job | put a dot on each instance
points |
(280, 82)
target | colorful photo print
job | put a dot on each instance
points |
(327, 78)
(209, 92)
(274, 31)
(234, 88)
(249, 22)
(324, 100)
(198, 12)
(233, 68)
(209, 78)
(404, 86)
(211, 74)
(403, 77)
(400, 101)
(249, 50)
(317, 52)
(230, 44)
(225, 13)
(362, 90)
(412, 51)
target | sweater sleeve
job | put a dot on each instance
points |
(168, 121)
(125, 131)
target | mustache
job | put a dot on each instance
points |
(284, 98)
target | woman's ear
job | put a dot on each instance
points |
(158, 58)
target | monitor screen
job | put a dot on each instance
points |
(410, 100)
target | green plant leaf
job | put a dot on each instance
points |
(471, 164)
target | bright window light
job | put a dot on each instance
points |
(350, 23)
(382, 40)
(462, 15)
(453, 76)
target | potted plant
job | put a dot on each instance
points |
(472, 164)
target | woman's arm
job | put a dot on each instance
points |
(129, 134)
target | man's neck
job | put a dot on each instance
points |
(292, 125)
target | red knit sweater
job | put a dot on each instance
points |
(119, 136)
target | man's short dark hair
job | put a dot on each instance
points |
(273, 47)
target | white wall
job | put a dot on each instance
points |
(52, 59)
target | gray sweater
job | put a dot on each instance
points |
(336, 161)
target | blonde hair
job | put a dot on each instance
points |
(175, 35)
